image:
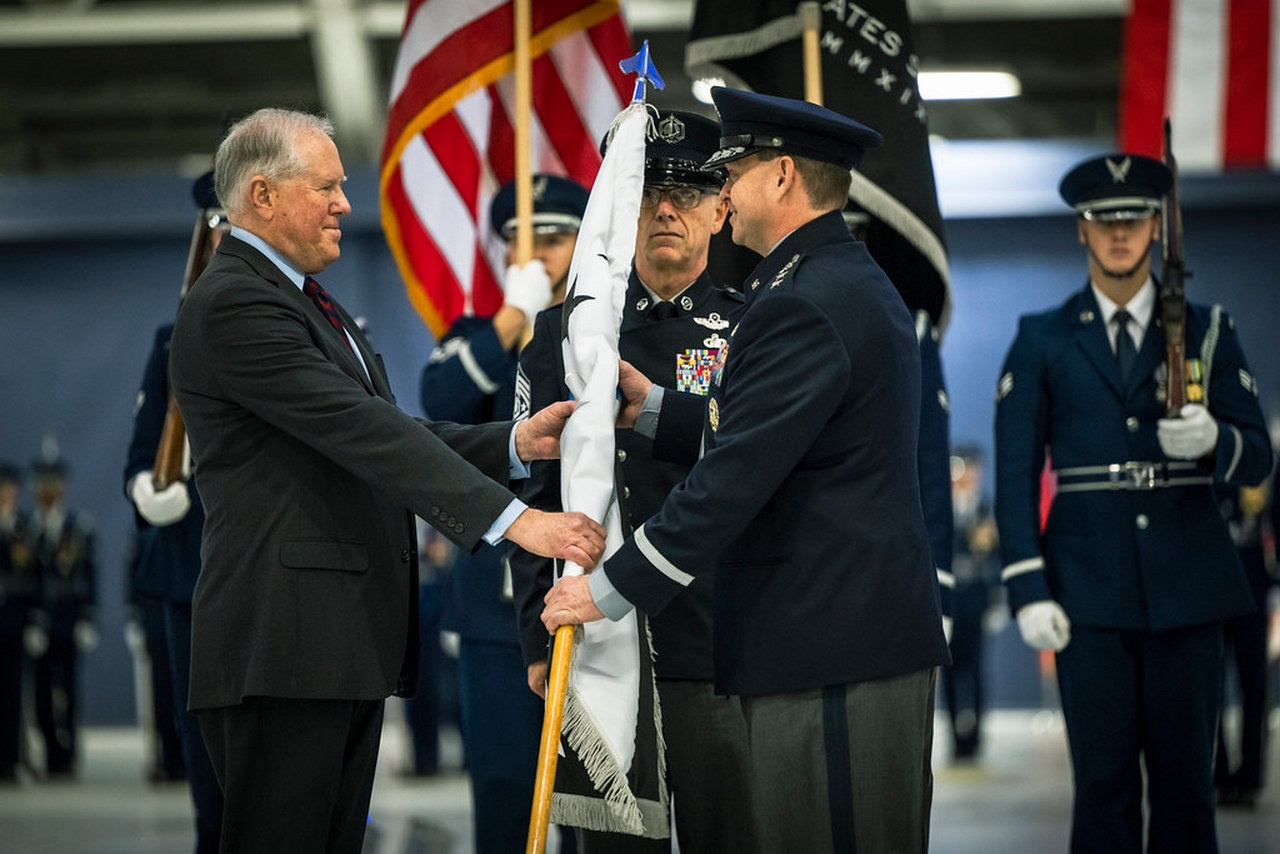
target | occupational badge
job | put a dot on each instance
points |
(712, 321)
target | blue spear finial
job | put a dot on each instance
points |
(641, 66)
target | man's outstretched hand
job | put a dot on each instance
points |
(573, 537)
(569, 603)
(538, 436)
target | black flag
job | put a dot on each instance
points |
(869, 73)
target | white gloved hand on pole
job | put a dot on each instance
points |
(527, 288)
(1191, 435)
(1044, 625)
(159, 508)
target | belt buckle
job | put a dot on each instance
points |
(1141, 475)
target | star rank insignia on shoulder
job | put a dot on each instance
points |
(782, 274)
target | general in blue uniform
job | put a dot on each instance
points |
(1135, 571)
(804, 503)
(471, 379)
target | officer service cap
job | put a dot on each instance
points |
(203, 193)
(1116, 186)
(752, 122)
(558, 204)
(674, 157)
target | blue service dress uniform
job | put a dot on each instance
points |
(470, 379)
(65, 552)
(19, 594)
(706, 746)
(825, 537)
(1136, 553)
(168, 566)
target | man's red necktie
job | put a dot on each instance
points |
(320, 297)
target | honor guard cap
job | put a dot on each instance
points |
(558, 204)
(202, 191)
(1116, 187)
(751, 122)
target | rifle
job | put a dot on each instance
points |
(168, 465)
(1181, 388)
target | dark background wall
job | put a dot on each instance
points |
(89, 267)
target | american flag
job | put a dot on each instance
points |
(450, 140)
(1213, 67)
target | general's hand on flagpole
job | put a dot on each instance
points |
(574, 537)
(538, 436)
(569, 603)
(634, 387)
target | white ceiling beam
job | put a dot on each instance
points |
(346, 77)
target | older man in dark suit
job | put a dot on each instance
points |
(805, 502)
(304, 617)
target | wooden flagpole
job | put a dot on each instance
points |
(524, 144)
(810, 14)
(549, 745)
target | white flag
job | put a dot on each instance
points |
(603, 699)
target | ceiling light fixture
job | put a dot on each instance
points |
(968, 85)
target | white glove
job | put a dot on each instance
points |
(35, 641)
(135, 638)
(1044, 625)
(528, 288)
(85, 636)
(159, 508)
(1190, 436)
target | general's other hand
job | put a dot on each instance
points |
(569, 603)
(159, 508)
(538, 436)
(634, 387)
(1191, 435)
(1044, 625)
(538, 678)
(527, 288)
(574, 537)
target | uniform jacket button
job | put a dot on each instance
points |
(622, 455)
(1132, 423)
(404, 555)
(1142, 521)
(626, 492)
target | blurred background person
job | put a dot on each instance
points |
(976, 567)
(64, 546)
(19, 590)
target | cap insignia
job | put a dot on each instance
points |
(671, 130)
(1119, 171)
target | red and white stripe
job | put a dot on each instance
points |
(450, 140)
(1212, 66)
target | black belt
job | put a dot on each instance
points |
(1131, 476)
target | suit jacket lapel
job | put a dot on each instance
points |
(331, 344)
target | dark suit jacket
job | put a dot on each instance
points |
(308, 471)
(807, 501)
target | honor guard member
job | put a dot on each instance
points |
(804, 504)
(1135, 571)
(674, 324)
(169, 548)
(471, 379)
(65, 558)
(19, 592)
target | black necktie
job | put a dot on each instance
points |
(1125, 351)
(663, 310)
(320, 297)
